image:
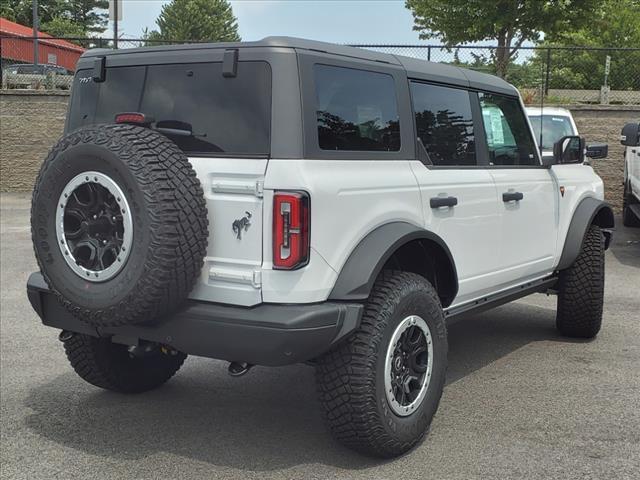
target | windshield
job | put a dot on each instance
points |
(554, 127)
(215, 114)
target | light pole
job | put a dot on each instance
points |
(115, 24)
(35, 32)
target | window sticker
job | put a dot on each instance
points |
(497, 133)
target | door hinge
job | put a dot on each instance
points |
(256, 188)
(253, 278)
(259, 189)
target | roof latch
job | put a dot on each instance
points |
(230, 63)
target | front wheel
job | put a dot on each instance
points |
(581, 289)
(381, 387)
(111, 366)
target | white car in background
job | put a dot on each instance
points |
(630, 138)
(550, 124)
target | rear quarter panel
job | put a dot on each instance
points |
(349, 199)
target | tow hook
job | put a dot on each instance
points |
(237, 369)
(65, 336)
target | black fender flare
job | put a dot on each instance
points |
(365, 262)
(589, 211)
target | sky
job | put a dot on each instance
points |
(338, 21)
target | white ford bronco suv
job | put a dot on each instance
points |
(289, 201)
(630, 138)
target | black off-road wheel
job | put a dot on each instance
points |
(581, 289)
(119, 224)
(381, 387)
(108, 365)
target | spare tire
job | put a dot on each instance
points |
(119, 224)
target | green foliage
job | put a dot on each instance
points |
(616, 23)
(92, 15)
(63, 17)
(62, 27)
(510, 23)
(196, 20)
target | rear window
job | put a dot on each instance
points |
(230, 115)
(444, 124)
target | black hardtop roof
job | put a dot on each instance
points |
(415, 68)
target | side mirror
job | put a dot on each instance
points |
(569, 149)
(597, 150)
(630, 136)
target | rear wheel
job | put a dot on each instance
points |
(111, 366)
(381, 387)
(581, 289)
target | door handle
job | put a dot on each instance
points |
(437, 202)
(511, 196)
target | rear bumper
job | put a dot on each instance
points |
(263, 335)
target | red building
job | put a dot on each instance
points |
(16, 46)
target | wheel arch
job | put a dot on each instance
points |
(590, 211)
(400, 245)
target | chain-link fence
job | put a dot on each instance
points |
(565, 75)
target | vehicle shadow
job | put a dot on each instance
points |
(265, 421)
(625, 245)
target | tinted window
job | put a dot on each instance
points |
(508, 136)
(356, 110)
(30, 69)
(444, 123)
(119, 93)
(230, 115)
(554, 127)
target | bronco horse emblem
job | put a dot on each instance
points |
(241, 224)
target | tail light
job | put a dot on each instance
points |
(291, 218)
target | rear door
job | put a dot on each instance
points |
(223, 125)
(458, 193)
(527, 195)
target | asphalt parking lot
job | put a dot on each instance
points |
(521, 402)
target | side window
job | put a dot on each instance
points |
(356, 110)
(444, 123)
(508, 136)
(28, 69)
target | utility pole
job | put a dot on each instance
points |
(115, 24)
(115, 15)
(35, 32)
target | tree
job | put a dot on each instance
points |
(92, 15)
(614, 24)
(196, 20)
(20, 11)
(62, 27)
(508, 22)
(76, 18)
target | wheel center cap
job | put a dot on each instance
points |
(397, 363)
